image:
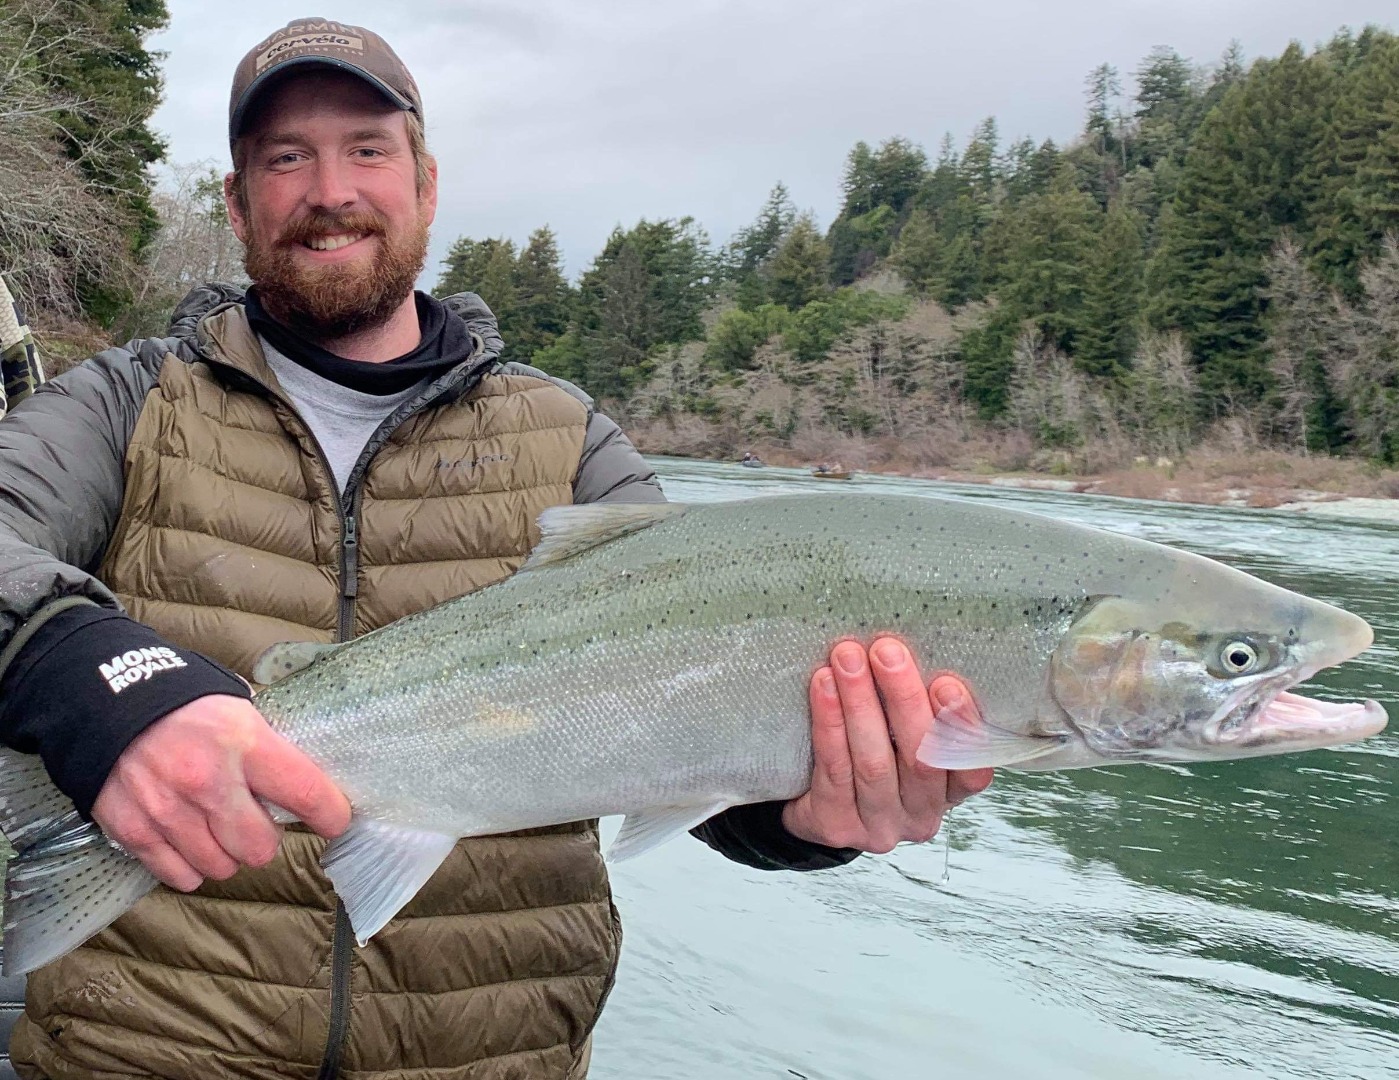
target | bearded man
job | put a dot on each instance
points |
(312, 460)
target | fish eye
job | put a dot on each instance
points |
(1239, 657)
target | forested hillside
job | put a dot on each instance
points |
(77, 88)
(1211, 249)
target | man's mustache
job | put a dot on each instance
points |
(320, 225)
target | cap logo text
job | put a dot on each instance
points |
(308, 41)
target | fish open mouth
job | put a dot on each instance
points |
(1290, 721)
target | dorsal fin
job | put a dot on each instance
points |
(287, 658)
(572, 530)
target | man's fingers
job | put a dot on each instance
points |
(922, 789)
(280, 773)
(159, 857)
(247, 833)
(195, 843)
(872, 759)
(833, 772)
(965, 783)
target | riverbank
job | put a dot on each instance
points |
(1210, 475)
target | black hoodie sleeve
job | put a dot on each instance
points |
(754, 835)
(89, 681)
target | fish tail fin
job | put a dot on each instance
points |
(66, 880)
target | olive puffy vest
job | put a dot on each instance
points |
(229, 540)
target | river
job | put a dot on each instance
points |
(1210, 922)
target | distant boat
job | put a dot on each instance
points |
(752, 461)
(823, 473)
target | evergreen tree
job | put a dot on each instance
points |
(1164, 86)
(918, 254)
(745, 255)
(1112, 295)
(541, 296)
(647, 287)
(616, 349)
(485, 267)
(980, 166)
(988, 357)
(944, 184)
(898, 171)
(1104, 88)
(797, 273)
(857, 185)
(1054, 237)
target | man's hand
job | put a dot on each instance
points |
(868, 790)
(183, 795)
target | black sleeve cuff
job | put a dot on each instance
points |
(753, 834)
(88, 682)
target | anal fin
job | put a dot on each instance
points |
(646, 829)
(376, 868)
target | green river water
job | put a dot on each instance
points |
(1210, 921)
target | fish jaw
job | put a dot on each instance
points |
(1292, 722)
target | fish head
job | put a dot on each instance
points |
(1202, 670)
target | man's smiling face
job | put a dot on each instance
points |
(333, 209)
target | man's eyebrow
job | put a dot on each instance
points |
(294, 138)
(280, 138)
(371, 134)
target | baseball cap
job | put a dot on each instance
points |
(321, 42)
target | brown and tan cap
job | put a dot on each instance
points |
(327, 44)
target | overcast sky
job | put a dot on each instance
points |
(584, 114)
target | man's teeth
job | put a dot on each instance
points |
(330, 243)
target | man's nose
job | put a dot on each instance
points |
(331, 188)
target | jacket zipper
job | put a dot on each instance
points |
(339, 995)
(343, 935)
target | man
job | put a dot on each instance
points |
(316, 459)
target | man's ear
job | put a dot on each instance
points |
(234, 206)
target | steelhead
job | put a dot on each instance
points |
(653, 661)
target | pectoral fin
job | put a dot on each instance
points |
(377, 868)
(956, 743)
(647, 829)
(568, 531)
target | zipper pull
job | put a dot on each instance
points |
(349, 559)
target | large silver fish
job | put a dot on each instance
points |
(653, 661)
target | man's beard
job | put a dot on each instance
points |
(328, 302)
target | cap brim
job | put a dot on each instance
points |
(261, 83)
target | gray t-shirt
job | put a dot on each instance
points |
(341, 419)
